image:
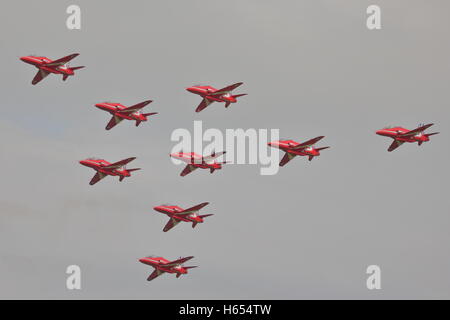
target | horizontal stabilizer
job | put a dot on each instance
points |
(190, 267)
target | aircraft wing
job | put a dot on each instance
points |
(119, 164)
(394, 145)
(98, 176)
(416, 131)
(287, 157)
(308, 143)
(115, 120)
(135, 107)
(155, 274)
(192, 209)
(188, 169)
(62, 61)
(205, 102)
(213, 156)
(226, 89)
(177, 262)
(41, 74)
(170, 224)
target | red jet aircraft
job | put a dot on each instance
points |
(47, 66)
(196, 161)
(120, 112)
(105, 168)
(293, 149)
(402, 135)
(177, 214)
(162, 265)
(210, 94)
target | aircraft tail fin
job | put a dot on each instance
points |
(227, 104)
(134, 169)
(65, 77)
(76, 68)
(205, 215)
(431, 134)
(318, 149)
(211, 170)
(310, 158)
(121, 178)
(194, 224)
(138, 123)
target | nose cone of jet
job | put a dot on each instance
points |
(25, 59)
(100, 105)
(142, 260)
(380, 132)
(83, 162)
(158, 208)
(191, 89)
(274, 144)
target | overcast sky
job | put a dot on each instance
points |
(309, 67)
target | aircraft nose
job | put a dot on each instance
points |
(25, 59)
(379, 132)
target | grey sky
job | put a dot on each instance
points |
(310, 68)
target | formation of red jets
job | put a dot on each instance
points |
(194, 161)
